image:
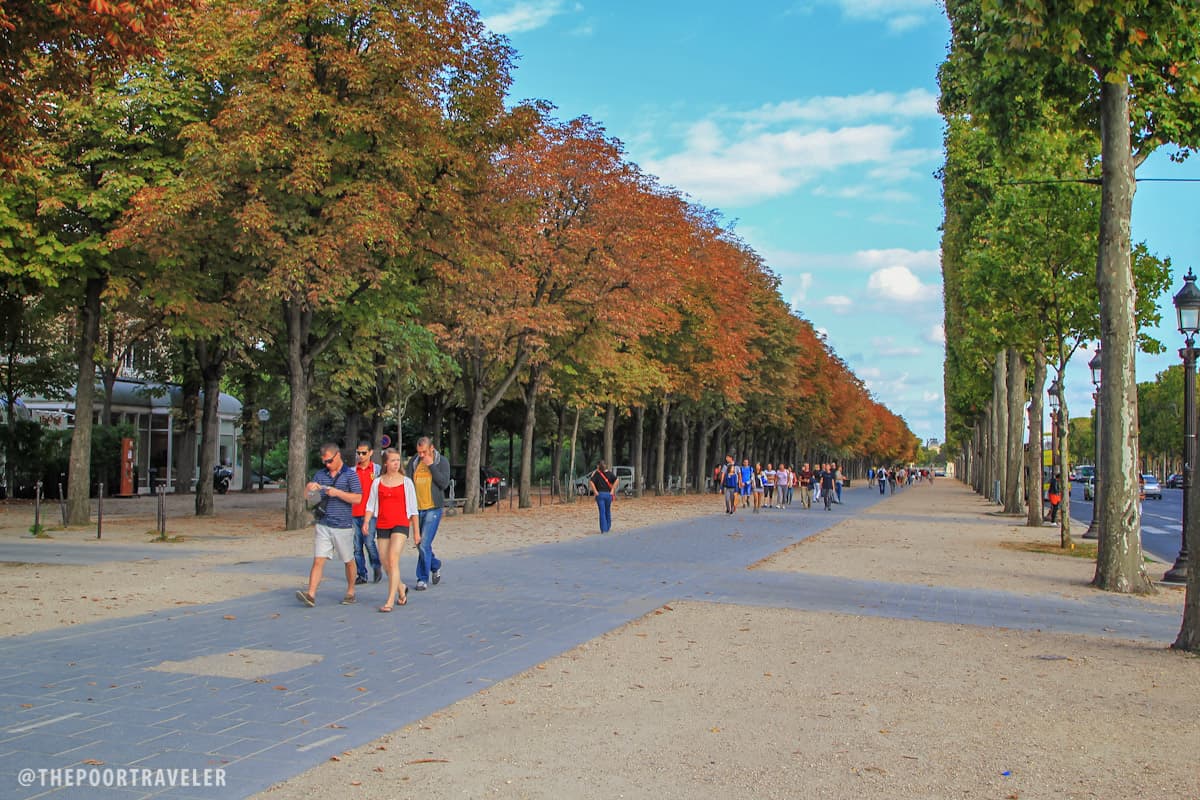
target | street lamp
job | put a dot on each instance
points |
(263, 416)
(1187, 310)
(1093, 531)
(1053, 399)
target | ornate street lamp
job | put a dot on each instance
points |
(1093, 531)
(1187, 310)
(263, 416)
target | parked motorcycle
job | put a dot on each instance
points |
(222, 476)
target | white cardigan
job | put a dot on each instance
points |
(410, 499)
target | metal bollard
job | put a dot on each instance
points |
(62, 501)
(100, 511)
(37, 508)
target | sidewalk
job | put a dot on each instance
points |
(660, 634)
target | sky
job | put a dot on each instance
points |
(812, 126)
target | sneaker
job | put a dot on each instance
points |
(437, 577)
(361, 579)
(421, 586)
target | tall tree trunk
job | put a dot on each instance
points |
(574, 443)
(1119, 564)
(685, 437)
(557, 450)
(211, 358)
(1014, 450)
(80, 460)
(610, 424)
(999, 432)
(639, 475)
(1033, 457)
(481, 405)
(530, 391)
(660, 437)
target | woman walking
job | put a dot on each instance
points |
(604, 483)
(758, 484)
(393, 504)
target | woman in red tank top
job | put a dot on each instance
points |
(393, 504)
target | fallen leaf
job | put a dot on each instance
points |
(362, 688)
(356, 783)
(427, 761)
(95, 762)
(335, 725)
(229, 616)
(714, 730)
(279, 688)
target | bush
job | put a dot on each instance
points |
(39, 453)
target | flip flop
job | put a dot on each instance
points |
(403, 600)
(306, 598)
(384, 609)
(349, 600)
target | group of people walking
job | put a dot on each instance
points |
(756, 487)
(369, 512)
(896, 477)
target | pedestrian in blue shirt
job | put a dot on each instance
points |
(338, 489)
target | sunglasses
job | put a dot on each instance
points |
(328, 460)
(363, 452)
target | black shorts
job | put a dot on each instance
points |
(386, 533)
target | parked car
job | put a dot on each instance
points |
(1151, 488)
(583, 485)
(1174, 481)
(491, 484)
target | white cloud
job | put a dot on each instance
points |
(769, 164)
(838, 303)
(899, 284)
(931, 397)
(865, 192)
(801, 284)
(850, 108)
(919, 260)
(936, 334)
(887, 347)
(898, 15)
(526, 15)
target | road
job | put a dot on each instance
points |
(1161, 521)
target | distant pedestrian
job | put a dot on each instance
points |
(392, 509)
(731, 484)
(747, 482)
(338, 489)
(758, 484)
(881, 475)
(604, 484)
(430, 473)
(1054, 495)
(828, 485)
(806, 485)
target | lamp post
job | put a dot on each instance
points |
(263, 416)
(1093, 531)
(1187, 311)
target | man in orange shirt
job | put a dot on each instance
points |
(367, 471)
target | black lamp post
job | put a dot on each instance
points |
(1053, 399)
(1187, 310)
(263, 416)
(1093, 531)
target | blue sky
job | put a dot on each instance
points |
(813, 127)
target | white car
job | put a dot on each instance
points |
(583, 485)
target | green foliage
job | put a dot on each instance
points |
(106, 455)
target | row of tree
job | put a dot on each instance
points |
(1049, 110)
(337, 194)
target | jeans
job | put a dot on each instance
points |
(839, 493)
(882, 486)
(365, 541)
(427, 562)
(604, 503)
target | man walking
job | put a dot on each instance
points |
(731, 484)
(367, 472)
(339, 490)
(430, 473)
(806, 484)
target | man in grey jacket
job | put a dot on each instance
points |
(430, 473)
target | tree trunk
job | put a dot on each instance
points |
(660, 436)
(639, 475)
(299, 368)
(473, 377)
(80, 460)
(1014, 437)
(211, 358)
(999, 441)
(610, 424)
(574, 442)
(1034, 458)
(556, 452)
(685, 437)
(530, 391)
(1119, 564)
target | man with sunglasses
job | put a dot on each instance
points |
(367, 472)
(338, 487)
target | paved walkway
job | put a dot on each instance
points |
(265, 688)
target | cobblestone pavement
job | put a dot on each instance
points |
(263, 688)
